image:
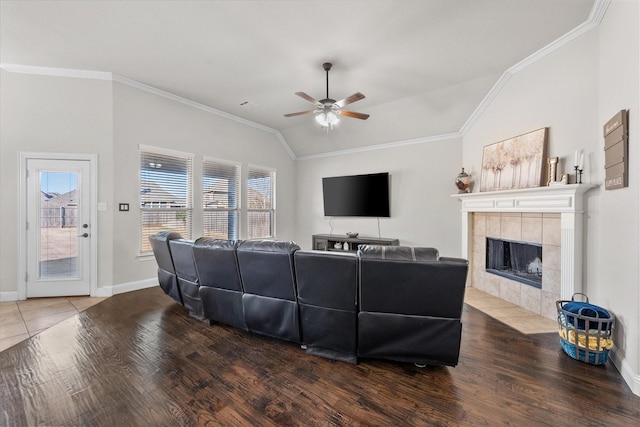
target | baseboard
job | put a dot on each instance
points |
(631, 377)
(9, 296)
(107, 291)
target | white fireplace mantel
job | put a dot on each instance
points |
(567, 200)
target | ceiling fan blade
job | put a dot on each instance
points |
(353, 114)
(301, 113)
(308, 98)
(350, 99)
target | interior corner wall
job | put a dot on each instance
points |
(52, 114)
(143, 118)
(574, 91)
(617, 282)
(422, 177)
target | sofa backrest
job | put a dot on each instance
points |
(161, 251)
(408, 285)
(406, 253)
(266, 268)
(217, 263)
(182, 254)
(327, 279)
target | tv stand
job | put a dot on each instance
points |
(330, 242)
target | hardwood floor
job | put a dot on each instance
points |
(137, 359)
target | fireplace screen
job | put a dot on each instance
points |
(515, 260)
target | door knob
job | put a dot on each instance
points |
(83, 235)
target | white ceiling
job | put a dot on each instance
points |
(424, 65)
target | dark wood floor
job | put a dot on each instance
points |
(137, 359)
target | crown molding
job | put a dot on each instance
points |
(595, 18)
(423, 140)
(56, 72)
(102, 75)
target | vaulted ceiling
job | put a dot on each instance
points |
(424, 65)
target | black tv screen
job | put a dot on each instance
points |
(356, 195)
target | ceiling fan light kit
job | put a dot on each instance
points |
(327, 119)
(327, 110)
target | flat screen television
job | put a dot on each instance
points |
(356, 195)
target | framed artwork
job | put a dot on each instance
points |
(517, 162)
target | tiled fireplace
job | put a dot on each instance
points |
(549, 217)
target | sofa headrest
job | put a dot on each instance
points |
(268, 246)
(399, 253)
(165, 236)
(222, 244)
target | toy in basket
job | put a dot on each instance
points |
(585, 330)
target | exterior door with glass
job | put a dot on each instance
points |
(58, 228)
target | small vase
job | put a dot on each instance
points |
(463, 182)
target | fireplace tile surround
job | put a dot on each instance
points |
(550, 216)
(542, 228)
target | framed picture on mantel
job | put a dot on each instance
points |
(517, 162)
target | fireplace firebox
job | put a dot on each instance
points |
(518, 261)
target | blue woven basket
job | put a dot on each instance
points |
(591, 323)
(595, 358)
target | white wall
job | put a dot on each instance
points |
(42, 113)
(52, 114)
(574, 91)
(423, 213)
(147, 119)
(616, 281)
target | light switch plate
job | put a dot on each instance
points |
(123, 207)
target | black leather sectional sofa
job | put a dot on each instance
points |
(390, 302)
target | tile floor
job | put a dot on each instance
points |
(517, 317)
(23, 319)
(20, 320)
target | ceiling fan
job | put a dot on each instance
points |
(328, 109)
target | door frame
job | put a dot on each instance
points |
(22, 215)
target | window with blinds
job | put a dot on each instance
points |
(220, 199)
(165, 195)
(261, 207)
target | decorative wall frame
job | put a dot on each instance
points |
(518, 162)
(616, 151)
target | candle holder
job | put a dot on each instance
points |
(579, 176)
(575, 169)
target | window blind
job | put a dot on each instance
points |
(220, 199)
(165, 195)
(260, 203)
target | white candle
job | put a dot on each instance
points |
(575, 162)
(581, 161)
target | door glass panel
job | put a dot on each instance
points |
(58, 251)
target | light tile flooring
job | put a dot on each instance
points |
(23, 319)
(517, 317)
